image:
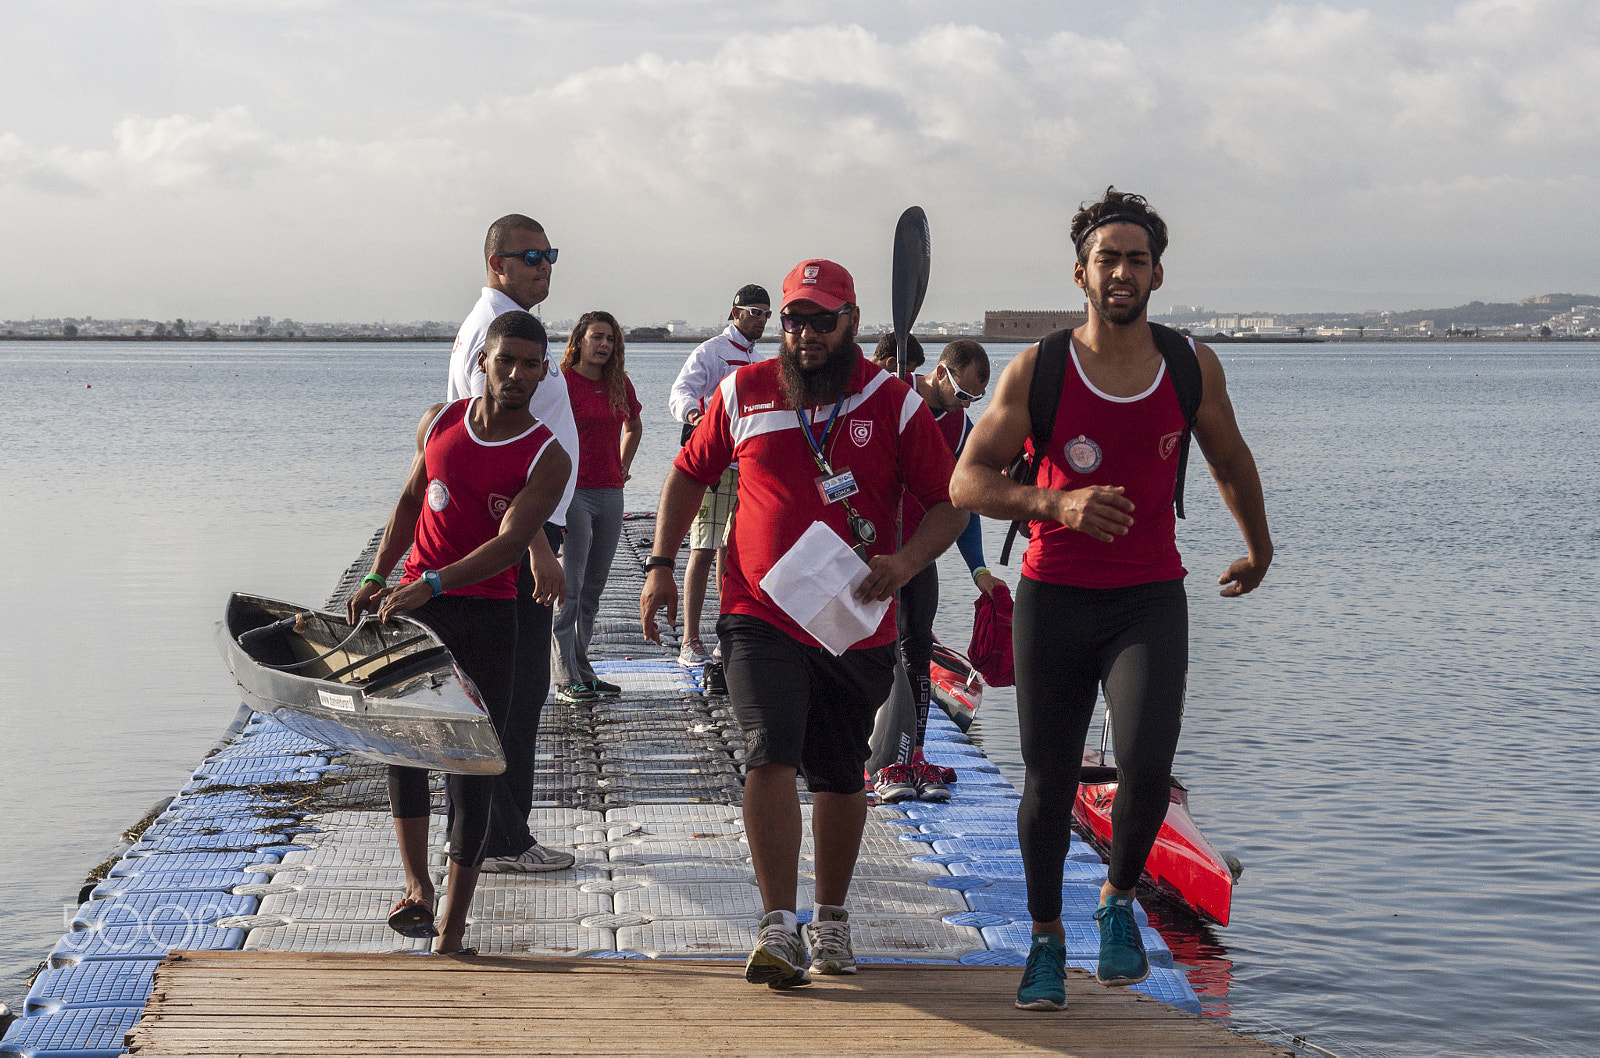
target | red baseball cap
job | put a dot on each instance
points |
(823, 282)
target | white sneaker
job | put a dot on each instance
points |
(779, 958)
(693, 655)
(536, 858)
(830, 944)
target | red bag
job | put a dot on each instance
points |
(990, 651)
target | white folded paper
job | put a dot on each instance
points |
(815, 583)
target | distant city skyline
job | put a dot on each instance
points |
(1542, 315)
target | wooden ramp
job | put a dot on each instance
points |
(284, 1003)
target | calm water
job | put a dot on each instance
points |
(1397, 734)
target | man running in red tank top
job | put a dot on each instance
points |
(485, 478)
(1101, 599)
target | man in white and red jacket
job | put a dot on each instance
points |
(712, 361)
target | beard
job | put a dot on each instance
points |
(1121, 315)
(810, 387)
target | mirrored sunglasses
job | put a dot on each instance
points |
(533, 257)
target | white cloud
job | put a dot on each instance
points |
(1283, 151)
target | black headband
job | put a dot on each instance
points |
(1141, 219)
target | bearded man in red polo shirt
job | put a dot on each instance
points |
(822, 435)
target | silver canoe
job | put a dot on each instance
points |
(391, 693)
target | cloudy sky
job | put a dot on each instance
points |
(334, 160)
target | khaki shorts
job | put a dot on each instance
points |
(712, 523)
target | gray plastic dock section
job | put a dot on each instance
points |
(276, 844)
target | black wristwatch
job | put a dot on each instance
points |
(655, 561)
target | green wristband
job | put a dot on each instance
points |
(981, 571)
(373, 578)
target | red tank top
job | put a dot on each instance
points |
(1104, 440)
(470, 484)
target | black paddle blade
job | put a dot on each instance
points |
(913, 257)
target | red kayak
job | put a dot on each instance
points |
(1182, 864)
(956, 684)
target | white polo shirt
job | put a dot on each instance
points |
(550, 404)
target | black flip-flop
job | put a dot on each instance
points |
(413, 919)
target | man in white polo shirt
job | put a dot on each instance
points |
(518, 259)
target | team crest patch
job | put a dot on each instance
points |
(438, 495)
(1168, 443)
(810, 274)
(861, 431)
(1083, 454)
(498, 505)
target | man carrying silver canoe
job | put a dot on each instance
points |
(485, 479)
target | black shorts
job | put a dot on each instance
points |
(801, 706)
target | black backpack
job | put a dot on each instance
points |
(1044, 397)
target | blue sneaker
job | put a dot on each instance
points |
(1122, 958)
(1044, 977)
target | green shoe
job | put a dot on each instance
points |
(604, 689)
(1044, 977)
(576, 693)
(1122, 958)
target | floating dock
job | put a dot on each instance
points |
(285, 857)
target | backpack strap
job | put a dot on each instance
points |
(1044, 399)
(1183, 368)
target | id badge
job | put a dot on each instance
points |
(839, 487)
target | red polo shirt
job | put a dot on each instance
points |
(884, 435)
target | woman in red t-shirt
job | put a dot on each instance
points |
(607, 413)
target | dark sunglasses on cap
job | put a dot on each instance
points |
(533, 257)
(960, 394)
(821, 322)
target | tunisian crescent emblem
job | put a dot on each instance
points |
(498, 505)
(1168, 443)
(861, 431)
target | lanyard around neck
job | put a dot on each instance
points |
(817, 448)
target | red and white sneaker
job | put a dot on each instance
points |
(930, 782)
(895, 783)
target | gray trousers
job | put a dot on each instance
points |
(594, 525)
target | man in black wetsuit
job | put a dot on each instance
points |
(1101, 598)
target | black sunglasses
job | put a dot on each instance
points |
(821, 322)
(533, 257)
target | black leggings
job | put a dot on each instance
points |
(919, 602)
(513, 788)
(1067, 643)
(481, 635)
